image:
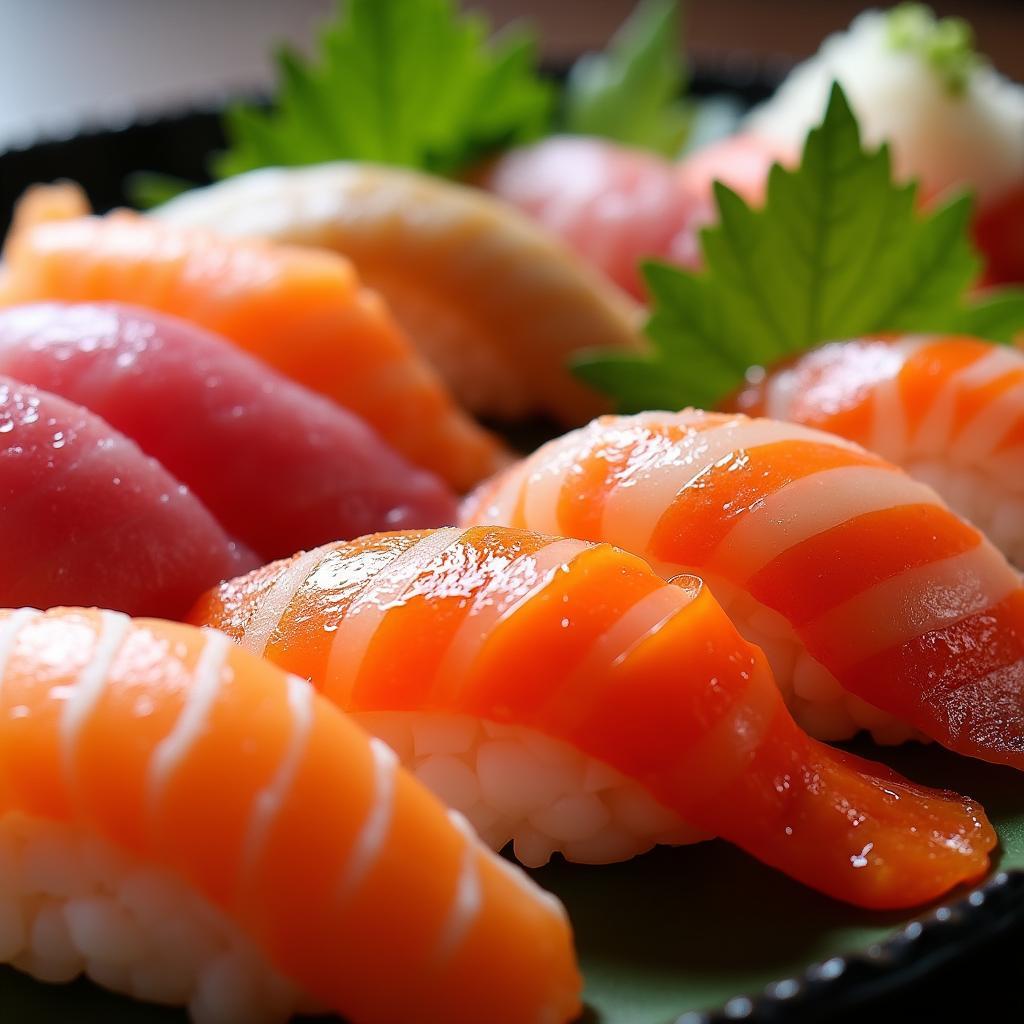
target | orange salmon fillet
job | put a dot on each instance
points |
(303, 311)
(587, 645)
(196, 757)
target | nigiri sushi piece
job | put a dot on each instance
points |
(87, 518)
(224, 423)
(496, 304)
(877, 606)
(952, 121)
(303, 311)
(949, 410)
(562, 695)
(741, 161)
(187, 824)
(613, 204)
(618, 206)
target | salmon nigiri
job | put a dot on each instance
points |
(878, 607)
(949, 410)
(564, 696)
(87, 518)
(304, 311)
(495, 303)
(223, 423)
(187, 824)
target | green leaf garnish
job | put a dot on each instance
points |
(405, 82)
(631, 93)
(146, 189)
(838, 251)
(946, 45)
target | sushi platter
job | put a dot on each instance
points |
(544, 548)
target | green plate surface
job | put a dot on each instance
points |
(674, 930)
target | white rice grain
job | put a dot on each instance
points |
(71, 904)
(519, 786)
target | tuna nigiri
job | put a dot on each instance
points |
(224, 424)
(949, 410)
(87, 518)
(304, 311)
(877, 606)
(566, 697)
(617, 206)
(185, 823)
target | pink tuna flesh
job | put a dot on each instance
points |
(280, 467)
(86, 518)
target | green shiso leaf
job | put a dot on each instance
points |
(839, 250)
(631, 92)
(412, 83)
(146, 189)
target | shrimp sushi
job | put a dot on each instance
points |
(877, 606)
(494, 302)
(949, 410)
(87, 518)
(189, 825)
(303, 311)
(222, 422)
(565, 697)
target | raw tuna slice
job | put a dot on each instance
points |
(282, 468)
(618, 206)
(87, 519)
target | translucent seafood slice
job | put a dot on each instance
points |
(496, 304)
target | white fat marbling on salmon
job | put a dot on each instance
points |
(945, 592)
(938, 426)
(499, 598)
(207, 678)
(365, 611)
(500, 505)
(374, 833)
(9, 630)
(632, 628)
(541, 489)
(275, 602)
(268, 802)
(979, 437)
(467, 899)
(809, 506)
(91, 682)
(647, 485)
(889, 429)
(888, 420)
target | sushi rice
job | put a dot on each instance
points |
(810, 690)
(71, 903)
(516, 785)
